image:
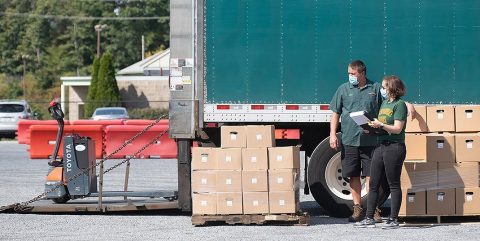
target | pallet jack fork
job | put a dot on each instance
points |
(73, 178)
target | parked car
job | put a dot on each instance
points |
(11, 112)
(110, 113)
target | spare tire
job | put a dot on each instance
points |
(327, 185)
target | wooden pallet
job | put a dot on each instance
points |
(298, 219)
(426, 219)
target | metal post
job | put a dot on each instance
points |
(127, 175)
(100, 189)
(184, 174)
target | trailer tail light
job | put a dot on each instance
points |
(223, 107)
(324, 107)
(292, 134)
(292, 107)
(211, 125)
(257, 107)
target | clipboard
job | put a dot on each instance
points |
(362, 119)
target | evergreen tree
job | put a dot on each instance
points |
(92, 90)
(58, 46)
(12, 31)
(107, 93)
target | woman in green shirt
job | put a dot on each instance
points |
(389, 154)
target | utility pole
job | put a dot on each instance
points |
(24, 59)
(99, 29)
(143, 47)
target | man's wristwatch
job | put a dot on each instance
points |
(382, 125)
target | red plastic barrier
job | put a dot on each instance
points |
(116, 136)
(96, 132)
(42, 139)
(145, 122)
(23, 134)
(97, 122)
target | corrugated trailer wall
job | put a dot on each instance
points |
(285, 51)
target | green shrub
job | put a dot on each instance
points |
(90, 105)
(147, 113)
(41, 109)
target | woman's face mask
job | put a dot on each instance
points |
(383, 92)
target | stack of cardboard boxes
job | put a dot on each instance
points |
(246, 175)
(441, 171)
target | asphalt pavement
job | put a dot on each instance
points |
(22, 179)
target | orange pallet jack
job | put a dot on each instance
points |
(74, 176)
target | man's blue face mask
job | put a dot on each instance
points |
(353, 79)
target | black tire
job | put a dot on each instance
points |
(336, 205)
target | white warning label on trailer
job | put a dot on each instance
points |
(188, 62)
(175, 71)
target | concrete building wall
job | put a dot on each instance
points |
(77, 97)
(135, 92)
(145, 93)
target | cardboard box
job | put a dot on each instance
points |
(255, 202)
(284, 157)
(416, 147)
(204, 203)
(419, 124)
(204, 158)
(419, 175)
(441, 148)
(467, 201)
(283, 180)
(467, 118)
(261, 136)
(441, 201)
(229, 181)
(204, 181)
(254, 181)
(254, 159)
(414, 202)
(233, 136)
(229, 203)
(467, 147)
(452, 175)
(284, 202)
(229, 159)
(441, 118)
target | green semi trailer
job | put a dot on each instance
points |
(236, 62)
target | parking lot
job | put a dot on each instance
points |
(22, 179)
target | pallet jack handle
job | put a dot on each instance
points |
(56, 112)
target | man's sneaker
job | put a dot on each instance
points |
(366, 223)
(376, 216)
(392, 223)
(357, 214)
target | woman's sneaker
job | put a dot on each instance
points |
(392, 223)
(366, 223)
